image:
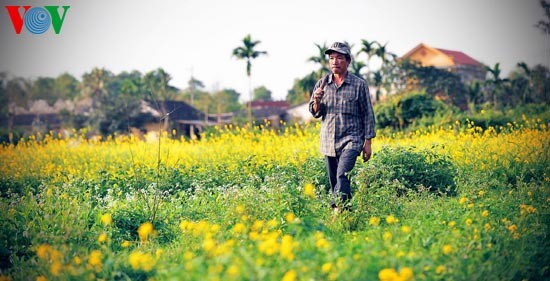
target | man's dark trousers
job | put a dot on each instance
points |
(338, 168)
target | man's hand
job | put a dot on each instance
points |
(318, 95)
(367, 151)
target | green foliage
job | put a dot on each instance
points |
(44, 88)
(403, 110)
(119, 114)
(302, 88)
(436, 82)
(262, 94)
(408, 169)
(489, 117)
(401, 217)
(26, 184)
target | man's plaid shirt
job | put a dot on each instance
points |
(347, 115)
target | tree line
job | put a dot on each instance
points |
(115, 98)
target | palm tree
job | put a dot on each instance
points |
(496, 82)
(472, 94)
(544, 25)
(356, 67)
(528, 77)
(382, 53)
(320, 58)
(369, 48)
(247, 53)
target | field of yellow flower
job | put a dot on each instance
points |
(458, 203)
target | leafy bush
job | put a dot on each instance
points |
(403, 110)
(411, 169)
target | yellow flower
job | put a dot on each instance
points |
(145, 230)
(253, 235)
(125, 244)
(322, 243)
(512, 228)
(55, 268)
(286, 247)
(102, 238)
(326, 267)
(185, 225)
(239, 209)
(188, 255)
(94, 260)
(440, 269)
(214, 228)
(77, 260)
(400, 254)
(143, 261)
(106, 219)
(42, 251)
(447, 249)
(272, 223)
(405, 229)
(451, 224)
(374, 221)
(289, 276)
(391, 219)
(158, 253)
(406, 273)
(468, 222)
(387, 274)
(39, 278)
(526, 209)
(462, 200)
(290, 217)
(309, 190)
(485, 213)
(257, 225)
(233, 270)
(387, 236)
(208, 244)
(239, 228)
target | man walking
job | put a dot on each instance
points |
(342, 101)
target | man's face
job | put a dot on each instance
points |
(338, 63)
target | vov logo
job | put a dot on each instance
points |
(37, 20)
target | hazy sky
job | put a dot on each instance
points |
(197, 37)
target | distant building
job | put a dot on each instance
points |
(299, 113)
(269, 104)
(178, 115)
(466, 67)
(164, 115)
(272, 111)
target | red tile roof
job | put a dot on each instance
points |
(459, 57)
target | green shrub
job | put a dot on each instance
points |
(402, 111)
(410, 169)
